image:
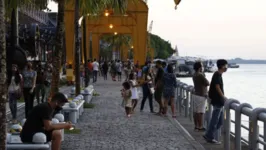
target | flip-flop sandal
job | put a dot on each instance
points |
(174, 117)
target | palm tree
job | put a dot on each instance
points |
(6, 7)
(3, 89)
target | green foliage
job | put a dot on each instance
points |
(88, 105)
(74, 131)
(162, 48)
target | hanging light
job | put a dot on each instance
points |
(132, 47)
(106, 14)
(115, 33)
(111, 26)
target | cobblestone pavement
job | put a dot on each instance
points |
(105, 127)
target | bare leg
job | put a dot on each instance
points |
(165, 106)
(173, 107)
(56, 140)
(200, 121)
(195, 119)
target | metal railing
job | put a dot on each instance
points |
(184, 105)
(34, 13)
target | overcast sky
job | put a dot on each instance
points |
(211, 28)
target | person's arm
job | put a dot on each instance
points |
(34, 81)
(217, 81)
(205, 81)
(49, 126)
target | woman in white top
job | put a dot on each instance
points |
(134, 90)
(14, 80)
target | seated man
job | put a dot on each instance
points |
(39, 120)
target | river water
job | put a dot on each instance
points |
(246, 84)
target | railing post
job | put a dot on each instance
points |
(254, 128)
(181, 98)
(227, 122)
(191, 104)
(177, 95)
(238, 124)
(187, 101)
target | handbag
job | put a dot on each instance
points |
(47, 83)
(18, 94)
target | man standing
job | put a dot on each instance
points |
(95, 65)
(39, 120)
(216, 94)
(159, 86)
(199, 96)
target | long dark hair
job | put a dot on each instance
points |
(17, 77)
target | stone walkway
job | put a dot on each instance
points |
(105, 127)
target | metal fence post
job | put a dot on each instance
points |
(227, 122)
(238, 124)
(208, 114)
(178, 95)
(191, 104)
(187, 101)
(182, 98)
(255, 134)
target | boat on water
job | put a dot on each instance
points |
(233, 65)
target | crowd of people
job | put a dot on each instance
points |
(158, 82)
(29, 83)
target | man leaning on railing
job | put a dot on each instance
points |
(216, 94)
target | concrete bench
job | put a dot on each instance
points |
(88, 94)
(16, 143)
(75, 112)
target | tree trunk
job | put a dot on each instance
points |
(3, 89)
(77, 48)
(59, 47)
(85, 51)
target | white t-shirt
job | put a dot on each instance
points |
(13, 87)
(95, 66)
(119, 67)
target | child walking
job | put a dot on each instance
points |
(126, 93)
(134, 90)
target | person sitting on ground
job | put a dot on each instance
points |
(39, 120)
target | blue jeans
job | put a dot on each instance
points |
(13, 105)
(95, 75)
(216, 122)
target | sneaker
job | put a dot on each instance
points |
(213, 141)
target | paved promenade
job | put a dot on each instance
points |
(105, 127)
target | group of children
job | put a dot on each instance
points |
(130, 94)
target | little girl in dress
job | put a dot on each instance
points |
(135, 95)
(126, 93)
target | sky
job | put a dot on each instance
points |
(211, 28)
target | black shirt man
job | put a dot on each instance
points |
(216, 94)
(39, 120)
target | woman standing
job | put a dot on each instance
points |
(170, 84)
(147, 89)
(29, 76)
(14, 80)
